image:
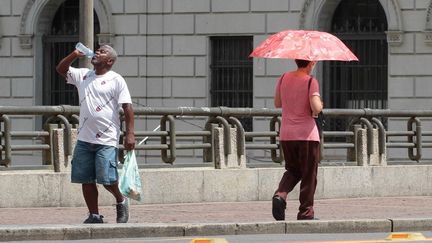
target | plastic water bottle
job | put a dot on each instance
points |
(84, 49)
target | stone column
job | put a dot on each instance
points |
(231, 160)
(62, 162)
(361, 147)
(86, 31)
(377, 158)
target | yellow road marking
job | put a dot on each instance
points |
(407, 236)
(205, 240)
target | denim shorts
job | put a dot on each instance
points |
(94, 163)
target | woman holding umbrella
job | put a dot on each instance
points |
(297, 93)
(299, 138)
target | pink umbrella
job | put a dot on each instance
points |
(304, 44)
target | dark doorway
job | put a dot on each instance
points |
(361, 25)
(59, 43)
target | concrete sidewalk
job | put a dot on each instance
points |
(382, 214)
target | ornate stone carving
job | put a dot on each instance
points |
(303, 14)
(394, 37)
(428, 36)
(37, 15)
(105, 39)
(428, 30)
(26, 41)
(316, 12)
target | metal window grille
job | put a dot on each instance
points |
(59, 43)
(232, 73)
(360, 25)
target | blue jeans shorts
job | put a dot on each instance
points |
(94, 163)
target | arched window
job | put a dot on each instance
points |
(60, 42)
(361, 25)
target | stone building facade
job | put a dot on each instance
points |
(166, 48)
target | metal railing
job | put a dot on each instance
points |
(169, 140)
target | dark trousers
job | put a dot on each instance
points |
(301, 164)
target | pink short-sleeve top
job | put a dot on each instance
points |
(297, 121)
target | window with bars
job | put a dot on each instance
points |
(231, 73)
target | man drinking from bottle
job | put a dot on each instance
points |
(101, 93)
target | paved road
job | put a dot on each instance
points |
(262, 238)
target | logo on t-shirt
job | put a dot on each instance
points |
(100, 107)
(100, 133)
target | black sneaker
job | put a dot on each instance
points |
(278, 208)
(123, 211)
(94, 219)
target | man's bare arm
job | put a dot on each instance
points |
(129, 141)
(63, 66)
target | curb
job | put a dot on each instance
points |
(104, 231)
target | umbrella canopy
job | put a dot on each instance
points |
(304, 44)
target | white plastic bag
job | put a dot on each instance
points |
(130, 181)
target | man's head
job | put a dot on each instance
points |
(105, 57)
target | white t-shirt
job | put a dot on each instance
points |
(100, 98)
